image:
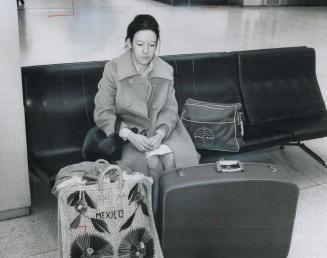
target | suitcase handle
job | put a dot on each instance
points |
(229, 166)
(102, 161)
(115, 172)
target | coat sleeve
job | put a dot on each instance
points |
(168, 115)
(105, 103)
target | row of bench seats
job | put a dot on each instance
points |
(278, 89)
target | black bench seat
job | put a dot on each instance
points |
(303, 128)
(278, 89)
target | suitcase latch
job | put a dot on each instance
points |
(180, 172)
(229, 166)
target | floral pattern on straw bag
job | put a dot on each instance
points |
(110, 218)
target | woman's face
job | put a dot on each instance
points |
(144, 46)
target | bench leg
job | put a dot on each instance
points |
(313, 154)
(308, 151)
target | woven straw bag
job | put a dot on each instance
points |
(110, 218)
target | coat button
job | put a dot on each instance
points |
(155, 105)
(130, 81)
(128, 104)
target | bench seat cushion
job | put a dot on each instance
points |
(52, 163)
(254, 138)
(304, 128)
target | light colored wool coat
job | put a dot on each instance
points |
(119, 93)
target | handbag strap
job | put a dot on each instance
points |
(114, 172)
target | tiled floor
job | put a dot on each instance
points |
(96, 30)
(36, 235)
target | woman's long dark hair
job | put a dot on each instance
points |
(142, 22)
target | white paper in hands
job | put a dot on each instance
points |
(163, 149)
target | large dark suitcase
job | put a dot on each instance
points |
(205, 213)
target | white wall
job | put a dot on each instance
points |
(14, 180)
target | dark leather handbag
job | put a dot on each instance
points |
(214, 126)
(99, 146)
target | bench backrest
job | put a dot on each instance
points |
(209, 77)
(271, 84)
(59, 105)
(278, 84)
(59, 98)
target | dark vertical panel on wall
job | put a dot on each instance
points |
(177, 2)
(194, 2)
(165, 1)
(181, 2)
(214, 2)
(303, 2)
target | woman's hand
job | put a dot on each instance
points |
(155, 141)
(140, 142)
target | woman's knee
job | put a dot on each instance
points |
(168, 161)
(154, 164)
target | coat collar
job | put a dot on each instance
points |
(126, 67)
